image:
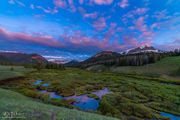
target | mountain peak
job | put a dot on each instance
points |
(72, 63)
(105, 53)
(143, 49)
(21, 58)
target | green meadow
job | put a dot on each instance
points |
(133, 96)
(167, 67)
(12, 71)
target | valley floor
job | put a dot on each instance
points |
(132, 96)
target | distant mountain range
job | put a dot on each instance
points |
(21, 58)
(102, 56)
(73, 63)
(133, 57)
(110, 57)
(129, 57)
(105, 54)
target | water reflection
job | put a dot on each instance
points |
(83, 102)
(171, 116)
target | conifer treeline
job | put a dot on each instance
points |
(138, 59)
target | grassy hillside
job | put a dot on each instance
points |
(33, 110)
(166, 66)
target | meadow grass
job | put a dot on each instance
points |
(33, 110)
(164, 67)
(133, 96)
(12, 71)
(140, 97)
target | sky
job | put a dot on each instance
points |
(77, 29)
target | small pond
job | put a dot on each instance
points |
(37, 82)
(83, 102)
(45, 84)
(101, 93)
(171, 116)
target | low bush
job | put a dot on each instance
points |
(106, 108)
(45, 98)
(136, 110)
(178, 71)
(30, 93)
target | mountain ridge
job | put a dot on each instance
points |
(143, 49)
(72, 63)
(21, 58)
(134, 57)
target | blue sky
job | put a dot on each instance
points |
(77, 29)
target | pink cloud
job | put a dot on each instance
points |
(47, 10)
(60, 3)
(101, 2)
(81, 1)
(73, 42)
(100, 24)
(90, 15)
(85, 14)
(140, 11)
(133, 13)
(111, 31)
(72, 6)
(130, 41)
(81, 41)
(124, 3)
(78, 40)
(65, 4)
(23, 37)
(147, 34)
(140, 24)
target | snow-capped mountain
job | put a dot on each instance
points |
(142, 49)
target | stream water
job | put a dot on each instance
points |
(83, 102)
(171, 116)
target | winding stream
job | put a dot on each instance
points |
(83, 102)
(171, 116)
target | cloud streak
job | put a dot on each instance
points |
(124, 3)
(23, 37)
(103, 2)
(100, 24)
